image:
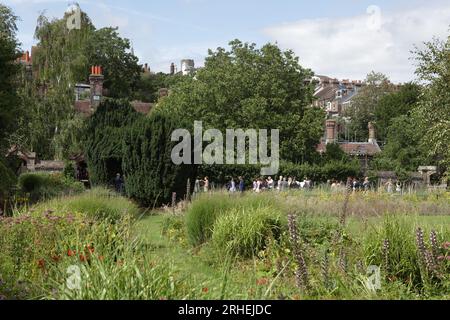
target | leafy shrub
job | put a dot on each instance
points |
(45, 186)
(332, 169)
(8, 179)
(245, 232)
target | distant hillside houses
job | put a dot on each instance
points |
(333, 95)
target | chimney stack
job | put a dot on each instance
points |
(96, 81)
(172, 69)
(372, 133)
(331, 132)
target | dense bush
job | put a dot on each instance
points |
(333, 169)
(245, 232)
(104, 136)
(150, 175)
(44, 185)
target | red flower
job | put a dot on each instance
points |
(71, 253)
(56, 258)
(205, 290)
(82, 258)
(262, 282)
(41, 264)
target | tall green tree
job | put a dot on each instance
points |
(364, 105)
(403, 150)
(9, 71)
(247, 87)
(120, 66)
(150, 175)
(433, 110)
(104, 134)
(63, 59)
(393, 105)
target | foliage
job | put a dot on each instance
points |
(403, 150)
(364, 105)
(433, 109)
(147, 89)
(334, 152)
(62, 59)
(150, 175)
(44, 186)
(245, 232)
(7, 181)
(105, 131)
(393, 105)
(9, 102)
(120, 66)
(259, 89)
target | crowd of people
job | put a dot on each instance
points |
(289, 183)
(258, 185)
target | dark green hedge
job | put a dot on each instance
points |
(104, 136)
(7, 180)
(150, 175)
(338, 170)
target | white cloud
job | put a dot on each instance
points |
(353, 46)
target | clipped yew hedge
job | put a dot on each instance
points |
(150, 175)
(104, 137)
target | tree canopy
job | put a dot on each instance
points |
(433, 110)
(251, 88)
(9, 101)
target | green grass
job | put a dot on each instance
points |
(97, 203)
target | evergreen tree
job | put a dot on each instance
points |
(105, 131)
(150, 175)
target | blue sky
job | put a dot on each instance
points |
(344, 39)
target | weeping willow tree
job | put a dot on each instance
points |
(58, 64)
(63, 58)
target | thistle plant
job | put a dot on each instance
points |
(301, 274)
(425, 255)
(343, 263)
(434, 244)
